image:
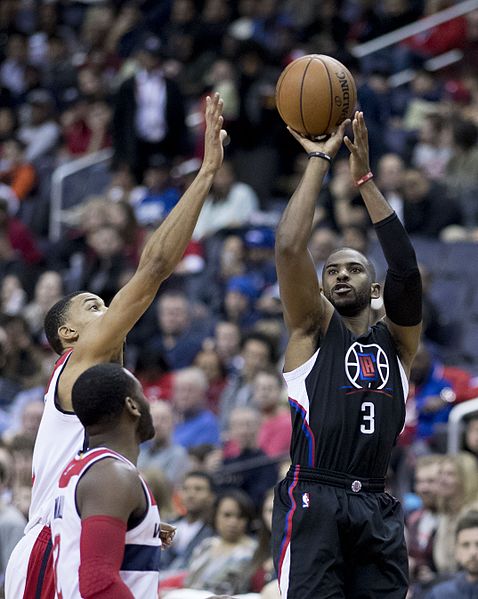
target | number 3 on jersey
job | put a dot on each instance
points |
(368, 418)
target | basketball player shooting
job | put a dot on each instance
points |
(85, 332)
(336, 533)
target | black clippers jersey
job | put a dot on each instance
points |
(348, 402)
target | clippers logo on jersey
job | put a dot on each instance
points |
(305, 500)
(366, 366)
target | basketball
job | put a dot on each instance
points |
(314, 94)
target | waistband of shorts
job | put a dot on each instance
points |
(341, 480)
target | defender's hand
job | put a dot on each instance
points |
(167, 532)
(215, 134)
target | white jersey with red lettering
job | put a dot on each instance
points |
(140, 567)
(60, 437)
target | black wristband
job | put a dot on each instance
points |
(320, 155)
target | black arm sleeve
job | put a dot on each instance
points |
(402, 294)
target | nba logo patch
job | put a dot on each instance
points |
(305, 500)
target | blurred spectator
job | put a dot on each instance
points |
(390, 173)
(40, 133)
(257, 353)
(162, 489)
(12, 295)
(177, 335)
(239, 302)
(464, 584)
(12, 522)
(209, 361)
(155, 200)
(219, 564)
(195, 424)
(275, 427)
(232, 257)
(245, 466)
(431, 154)
(457, 492)
(263, 571)
(148, 113)
(421, 524)
(154, 374)
(227, 342)
(260, 265)
(48, 290)
(85, 127)
(322, 243)
(120, 215)
(13, 67)
(161, 453)
(230, 205)
(471, 434)
(15, 170)
(432, 393)
(197, 496)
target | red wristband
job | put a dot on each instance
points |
(364, 179)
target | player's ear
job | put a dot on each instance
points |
(132, 406)
(375, 291)
(67, 334)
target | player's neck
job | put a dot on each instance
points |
(358, 324)
(127, 447)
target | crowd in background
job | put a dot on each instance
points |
(132, 76)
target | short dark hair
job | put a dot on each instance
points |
(468, 520)
(244, 502)
(204, 475)
(368, 264)
(55, 318)
(99, 394)
(262, 338)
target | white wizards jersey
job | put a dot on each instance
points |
(140, 567)
(60, 437)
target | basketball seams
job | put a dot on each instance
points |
(331, 92)
(304, 74)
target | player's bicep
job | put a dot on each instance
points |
(406, 340)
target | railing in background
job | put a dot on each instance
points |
(455, 423)
(95, 175)
(394, 37)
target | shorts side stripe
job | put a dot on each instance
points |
(284, 559)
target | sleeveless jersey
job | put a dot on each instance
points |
(140, 567)
(348, 402)
(60, 437)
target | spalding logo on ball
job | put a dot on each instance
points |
(314, 94)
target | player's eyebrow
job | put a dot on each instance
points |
(89, 299)
(346, 264)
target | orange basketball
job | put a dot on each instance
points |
(315, 93)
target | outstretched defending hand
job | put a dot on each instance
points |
(167, 532)
(359, 155)
(215, 134)
(329, 145)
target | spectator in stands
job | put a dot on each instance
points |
(421, 524)
(158, 196)
(230, 205)
(240, 295)
(195, 423)
(41, 133)
(220, 563)
(209, 361)
(13, 67)
(12, 295)
(390, 172)
(275, 427)
(431, 154)
(15, 170)
(161, 453)
(262, 568)
(457, 492)
(464, 584)
(427, 210)
(8, 386)
(471, 434)
(257, 353)
(85, 127)
(227, 342)
(148, 113)
(432, 393)
(177, 336)
(322, 243)
(197, 494)
(245, 466)
(48, 290)
(12, 522)
(260, 264)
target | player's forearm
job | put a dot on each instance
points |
(377, 206)
(295, 227)
(166, 246)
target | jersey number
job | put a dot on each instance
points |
(368, 426)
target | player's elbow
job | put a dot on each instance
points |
(288, 245)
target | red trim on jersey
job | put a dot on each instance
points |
(150, 493)
(40, 583)
(58, 363)
(78, 463)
